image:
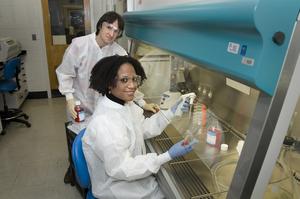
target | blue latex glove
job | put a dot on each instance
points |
(179, 149)
(184, 107)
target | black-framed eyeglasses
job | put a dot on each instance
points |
(137, 80)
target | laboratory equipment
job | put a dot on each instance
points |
(224, 147)
(190, 97)
(214, 137)
(249, 56)
(168, 99)
(9, 48)
(199, 116)
(80, 115)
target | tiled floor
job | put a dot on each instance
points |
(33, 160)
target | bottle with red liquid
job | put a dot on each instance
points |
(80, 115)
(214, 137)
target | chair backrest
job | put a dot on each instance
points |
(11, 67)
(81, 170)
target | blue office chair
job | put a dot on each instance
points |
(81, 170)
(8, 84)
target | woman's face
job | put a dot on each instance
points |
(126, 83)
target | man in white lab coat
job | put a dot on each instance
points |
(73, 74)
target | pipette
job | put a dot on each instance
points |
(191, 97)
(190, 132)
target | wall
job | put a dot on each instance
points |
(20, 19)
(98, 8)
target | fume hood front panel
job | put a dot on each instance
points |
(208, 171)
(242, 63)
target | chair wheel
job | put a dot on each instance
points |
(28, 125)
(26, 117)
(2, 132)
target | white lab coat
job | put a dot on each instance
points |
(114, 148)
(74, 72)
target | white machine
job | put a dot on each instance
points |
(168, 99)
(9, 48)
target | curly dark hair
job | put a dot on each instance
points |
(111, 17)
(105, 71)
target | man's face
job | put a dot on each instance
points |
(109, 32)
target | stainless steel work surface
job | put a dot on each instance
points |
(200, 173)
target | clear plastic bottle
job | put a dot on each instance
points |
(80, 115)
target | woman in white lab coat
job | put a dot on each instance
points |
(113, 143)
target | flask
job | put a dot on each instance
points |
(80, 115)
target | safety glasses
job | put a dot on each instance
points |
(111, 28)
(137, 80)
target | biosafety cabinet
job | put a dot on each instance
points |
(241, 58)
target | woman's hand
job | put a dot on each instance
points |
(151, 107)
